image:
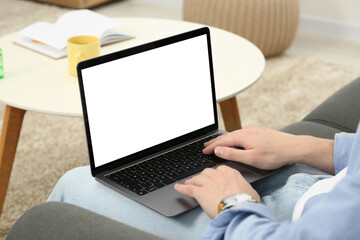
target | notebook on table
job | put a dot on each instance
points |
(148, 111)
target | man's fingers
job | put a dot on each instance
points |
(230, 140)
(224, 168)
(202, 178)
(210, 142)
(232, 154)
(208, 172)
(195, 182)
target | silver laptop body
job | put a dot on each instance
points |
(147, 101)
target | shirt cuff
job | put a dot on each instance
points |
(342, 147)
(234, 216)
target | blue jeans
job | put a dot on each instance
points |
(78, 187)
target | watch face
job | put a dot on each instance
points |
(237, 198)
(233, 200)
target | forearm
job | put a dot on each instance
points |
(315, 152)
(328, 155)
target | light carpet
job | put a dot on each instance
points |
(51, 145)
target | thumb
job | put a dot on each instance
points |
(185, 189)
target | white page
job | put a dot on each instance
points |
(41, 48)
(85, 22)
(46, 33)
(78, 22)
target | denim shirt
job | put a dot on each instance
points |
(333, 215)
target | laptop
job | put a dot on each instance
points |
(148, 111)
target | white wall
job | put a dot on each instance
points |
(346, 11)
(334, 18)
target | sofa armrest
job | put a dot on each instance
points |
(341, 110)
(338, 113)
(58, 220)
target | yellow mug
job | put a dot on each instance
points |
(80, 48)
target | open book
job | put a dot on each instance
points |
(51, 39)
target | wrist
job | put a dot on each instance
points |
(315, 152)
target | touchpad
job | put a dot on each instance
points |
(248, 174)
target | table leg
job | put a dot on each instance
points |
(13, 119)
(231, 115)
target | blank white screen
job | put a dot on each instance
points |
(139, 101)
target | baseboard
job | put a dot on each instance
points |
(331, 28)
(173, 3)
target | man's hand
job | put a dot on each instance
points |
(212, 186)
(270, 149)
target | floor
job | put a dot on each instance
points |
(304, 45)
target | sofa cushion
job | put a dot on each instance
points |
(58, 220)
(311, 128)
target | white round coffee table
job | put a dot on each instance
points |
(38, 83)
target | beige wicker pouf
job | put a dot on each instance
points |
(270, 24)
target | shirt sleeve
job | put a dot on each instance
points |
(332, 215)
(342, 147)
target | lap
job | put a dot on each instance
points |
(78, 187)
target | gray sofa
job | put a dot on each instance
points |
(55, 220)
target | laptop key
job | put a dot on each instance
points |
(168, 181)
(165, 169)
(131, 184)
(180, 171)
(216, 159)
(171, 174)
(150, 189)
(143, 179)
(193, 171)
(146, 184)
(119, 179)
(136, 188)
(159, 185)
(154, 180)
(141, 192)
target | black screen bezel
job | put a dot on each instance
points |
(129, 52)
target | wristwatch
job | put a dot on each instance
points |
(233, 200)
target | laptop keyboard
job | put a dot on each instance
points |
(166, 169)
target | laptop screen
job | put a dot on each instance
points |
(144, 99)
